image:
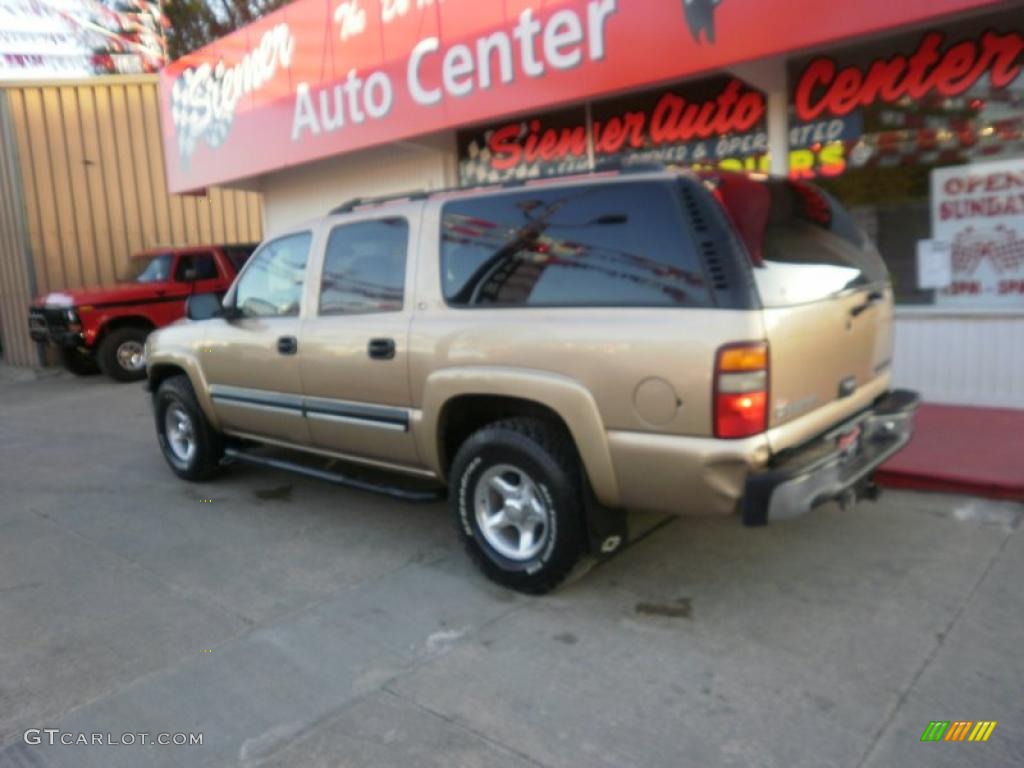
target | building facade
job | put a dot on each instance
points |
(911, 113)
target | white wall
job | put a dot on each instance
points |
(961, 358)
(297, 194)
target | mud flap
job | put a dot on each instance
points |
(607, 528)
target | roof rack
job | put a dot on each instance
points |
(359, 202)
(423, 194)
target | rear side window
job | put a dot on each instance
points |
(602, 245)
(364, 267)
(804, 246)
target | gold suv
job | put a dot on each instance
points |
(553, 352)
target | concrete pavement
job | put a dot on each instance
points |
(296, 623)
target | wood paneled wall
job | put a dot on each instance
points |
(92, 188)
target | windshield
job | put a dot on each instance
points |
(154, 270)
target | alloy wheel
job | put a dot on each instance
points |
(511, 513)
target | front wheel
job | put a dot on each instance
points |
(517, 501)
(122, 354)
(190, 444)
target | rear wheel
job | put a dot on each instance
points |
(516, 496)
(78, 362)
(190, 444)
(122, 354)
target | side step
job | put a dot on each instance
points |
(334, 477)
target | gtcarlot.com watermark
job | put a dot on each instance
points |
(35, 736)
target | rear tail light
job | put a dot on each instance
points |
(741, 390)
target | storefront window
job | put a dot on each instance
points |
(718, 122)
(922, 137)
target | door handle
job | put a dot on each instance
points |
(287, 345)
(871, 299)
(381, 349)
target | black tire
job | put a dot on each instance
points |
(78, 362)
(547, 457)
(110, 360)
(204, 462)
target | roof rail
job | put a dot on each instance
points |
(423, 194)
(358, 202)
(624, 166)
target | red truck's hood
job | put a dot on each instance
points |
(121, 292)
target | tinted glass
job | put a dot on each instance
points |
(202, 263)
(271, 285)
(804, 245)
(602, 245)
(364, 267)
(238, 254)
(155, 270)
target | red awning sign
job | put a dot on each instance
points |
(321, 77)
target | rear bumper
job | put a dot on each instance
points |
(820, 471)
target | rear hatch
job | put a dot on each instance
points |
(826, 299)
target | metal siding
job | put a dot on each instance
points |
(78, 176)
(962, 358)
(83, 187)
(16, 286)
(59, 210)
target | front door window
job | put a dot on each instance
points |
(271, 285)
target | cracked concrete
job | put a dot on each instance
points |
(323, 627)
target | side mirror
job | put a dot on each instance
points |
(202, 306)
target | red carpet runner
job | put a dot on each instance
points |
(958, 449)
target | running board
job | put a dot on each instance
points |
(334, 477)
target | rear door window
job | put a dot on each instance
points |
(803, 245)
(364, 267)
(623, 244)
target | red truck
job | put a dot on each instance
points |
(106, 328)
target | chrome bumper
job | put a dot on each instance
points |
(827, 468)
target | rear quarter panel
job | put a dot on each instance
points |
(648, 369)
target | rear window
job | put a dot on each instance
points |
(803, 245)
(602, 245)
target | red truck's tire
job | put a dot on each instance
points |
(536, 464)
(120, 354)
